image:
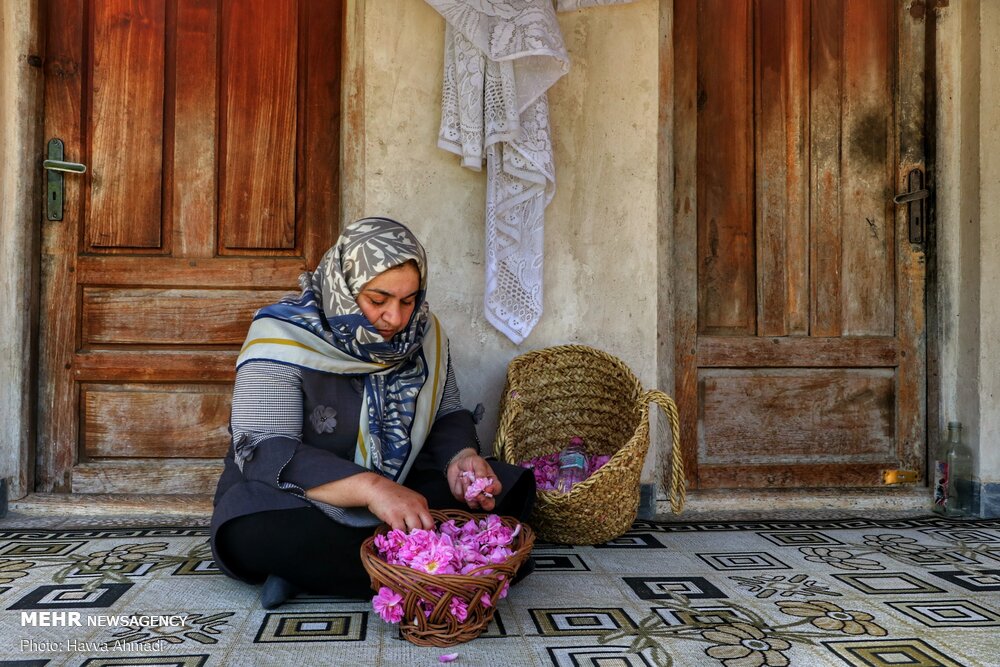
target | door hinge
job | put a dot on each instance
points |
(55, 166)
(914, 198)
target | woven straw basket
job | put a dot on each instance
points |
(441, 628)
(556, 393)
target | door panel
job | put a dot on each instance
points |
(745, 411)
(727, 302)
(188, 317)
(800, 299)
(862, 163)
(125, 119)
(135, 420)
(781, 153)
(210, 132)
(251, 81)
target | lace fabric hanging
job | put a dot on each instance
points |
(501, 56)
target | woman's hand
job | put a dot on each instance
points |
(395, 504)
(469, 461)
(398, 506)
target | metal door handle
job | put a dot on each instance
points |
(914, 198)
(59, 165)
(56, 166)
(904, 198)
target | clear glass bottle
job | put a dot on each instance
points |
(572, 466)
(959, 462)
(940, 480)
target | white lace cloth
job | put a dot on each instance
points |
(500, 58)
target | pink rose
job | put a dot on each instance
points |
(388, 604)
(459, 609)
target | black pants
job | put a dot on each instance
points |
(321, 556)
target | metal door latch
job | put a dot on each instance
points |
(56, 166)
(914, 199)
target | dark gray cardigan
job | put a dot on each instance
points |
(283, 465)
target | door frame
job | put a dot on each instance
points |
(21, 97)
(677, 160)
(22, 61)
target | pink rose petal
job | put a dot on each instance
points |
(459, 609)
(448, 657)
(477, 486)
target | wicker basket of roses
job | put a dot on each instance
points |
(442, 585)
(568, 394)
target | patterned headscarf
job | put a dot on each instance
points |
(323, 328)
(365, 249)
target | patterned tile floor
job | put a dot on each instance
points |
(733, 590)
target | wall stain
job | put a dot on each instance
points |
(869, 138)
(918, 8)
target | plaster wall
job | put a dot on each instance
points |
(600, 254)
(989, 248)
(20, 88)
(968, 237)
(957, 120)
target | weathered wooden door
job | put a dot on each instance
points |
(210, 133)
(800, 297)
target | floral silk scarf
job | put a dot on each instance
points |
(323, 328)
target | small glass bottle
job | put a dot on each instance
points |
(940, 480)
(572, 466)
(959, 463)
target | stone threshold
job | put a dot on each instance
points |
(62, 504)
(821, 503)
(701, 504)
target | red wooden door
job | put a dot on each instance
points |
(800, 339)
(210, 133)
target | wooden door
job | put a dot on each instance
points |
(800, 321)
(210, 133)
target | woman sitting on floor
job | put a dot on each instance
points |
(346, 414)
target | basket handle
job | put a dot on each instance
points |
(678, 481)
(510, 408)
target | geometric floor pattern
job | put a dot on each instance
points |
(864, 592)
